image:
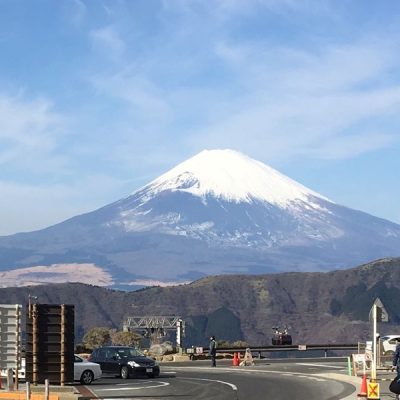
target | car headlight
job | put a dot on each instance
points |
(133, 364)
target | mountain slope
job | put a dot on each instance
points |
(219, 212)
(330, 307)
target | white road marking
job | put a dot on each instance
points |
(319, 365)
(313, 378)
(234, 387)
(137, 382)
(160, 384)
(251, 370)
(236, 370)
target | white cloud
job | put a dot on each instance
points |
(351, 146)
(26, 122)
(271, 101)
(295, 102)
(142, 95)
(29, 131)
(79, 12)
(108, 40)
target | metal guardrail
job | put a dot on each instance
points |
(299, 347)
(292, 347)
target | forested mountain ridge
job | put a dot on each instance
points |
(319, 307)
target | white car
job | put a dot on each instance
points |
(389, 343)
(85, 371)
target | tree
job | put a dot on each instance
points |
(240, 343)
(96, 337)
(125, 338)
(223, 344)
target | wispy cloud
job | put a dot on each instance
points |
(107, 39)
(143, 97)
(274, 102)
(79, 12)
(29, 132)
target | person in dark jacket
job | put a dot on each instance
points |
(213, 351)
(396, 359)
(396, 366)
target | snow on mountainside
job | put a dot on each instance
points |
(226, 198)
(232, 176)
(220, 212)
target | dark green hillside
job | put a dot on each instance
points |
(356, 304)
(328, 307)
(222, 323)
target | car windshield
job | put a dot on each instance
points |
(129, 352)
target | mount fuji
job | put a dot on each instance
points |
(219, 212)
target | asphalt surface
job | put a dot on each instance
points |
(267, 380)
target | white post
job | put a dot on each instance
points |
(46, 389)
(28, 391)
(374, 318)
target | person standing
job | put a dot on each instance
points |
(396, 359)
(395, 385)
(213, 351)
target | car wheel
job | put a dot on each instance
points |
(388, 353)
(124, 372)
(87, 377)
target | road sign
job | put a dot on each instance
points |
(373, 391)
(381, 313)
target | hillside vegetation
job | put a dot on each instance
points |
(330, 307)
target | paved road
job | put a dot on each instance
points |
(283, 380)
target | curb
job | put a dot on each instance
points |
(84, 393)
(352, 380)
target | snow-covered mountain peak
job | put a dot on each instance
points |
(232, 176)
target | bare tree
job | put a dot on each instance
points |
(96, 337)
(126, 338)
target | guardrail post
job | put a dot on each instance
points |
(28, 390)
(46, 389)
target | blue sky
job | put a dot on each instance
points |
(97, 98)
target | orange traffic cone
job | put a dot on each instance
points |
(363, 390)
(235, 360)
